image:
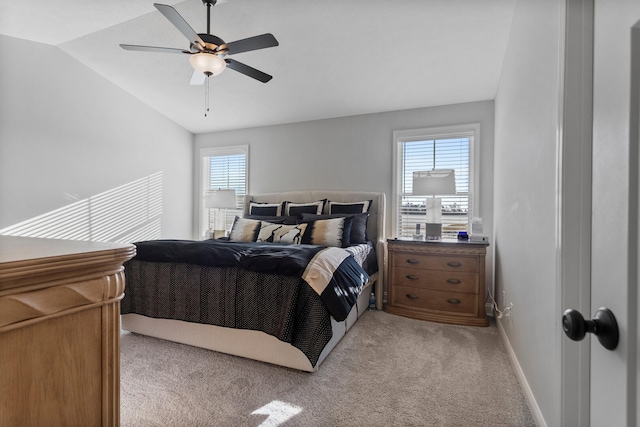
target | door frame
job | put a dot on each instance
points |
(577, 364)
(633, 408)
(574, 179)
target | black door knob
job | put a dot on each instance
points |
(603, 325)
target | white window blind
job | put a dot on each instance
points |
(423, 153)
(224, 168)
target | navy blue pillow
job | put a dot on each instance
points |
(268, 218)
(265, 209)
(288, 220)
(349, 208)
(297, 209)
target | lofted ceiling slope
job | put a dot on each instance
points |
(335, 58)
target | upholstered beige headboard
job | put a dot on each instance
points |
(375, 224)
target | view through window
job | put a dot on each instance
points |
(223, 168)
(424, 153)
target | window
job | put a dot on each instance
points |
(223, 168)
(428, 149)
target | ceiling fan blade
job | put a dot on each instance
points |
(248, 71)
(153, 49)
(252, 43)
(178, 21)
(197, 78)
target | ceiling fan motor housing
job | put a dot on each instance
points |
(213, 44)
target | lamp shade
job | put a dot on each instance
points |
(220, 199)
(207, 63)
(437, 182)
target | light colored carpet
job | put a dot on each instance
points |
(387, 371)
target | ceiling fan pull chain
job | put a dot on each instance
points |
(206, 97)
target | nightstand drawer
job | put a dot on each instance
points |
(436, 262)
(435, 279)
(450, 302)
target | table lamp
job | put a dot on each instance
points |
(219, 199)
(437, 182)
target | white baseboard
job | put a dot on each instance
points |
(526, 389)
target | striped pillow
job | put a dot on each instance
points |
(328, 232)
(244, 230)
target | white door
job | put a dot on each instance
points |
(614, 256)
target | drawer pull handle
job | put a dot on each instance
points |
(412, 296)
(453, 301)
(454, 281)
(454, 264)
(412, 277)
(413, 261)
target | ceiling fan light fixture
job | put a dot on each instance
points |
(207, 63)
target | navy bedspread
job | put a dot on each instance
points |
(290, 260)
(288, 291)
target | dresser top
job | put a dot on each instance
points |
(30, 261)
(15, 249)
(443, 242)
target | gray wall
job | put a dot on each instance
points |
(349, 153)
(67, 135)
(525, 211)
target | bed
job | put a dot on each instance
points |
(234, 300)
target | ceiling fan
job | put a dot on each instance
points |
(208, 53)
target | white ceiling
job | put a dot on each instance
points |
(335, 58)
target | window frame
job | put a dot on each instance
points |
(202, 179)
(470, 130)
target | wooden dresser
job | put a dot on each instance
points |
(441, 281)
(60, 332)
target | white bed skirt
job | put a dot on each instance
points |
(247, 343)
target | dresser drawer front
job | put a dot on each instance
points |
(435, 279)
(449, 302)
(436, 262)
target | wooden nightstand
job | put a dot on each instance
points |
(441, 281)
